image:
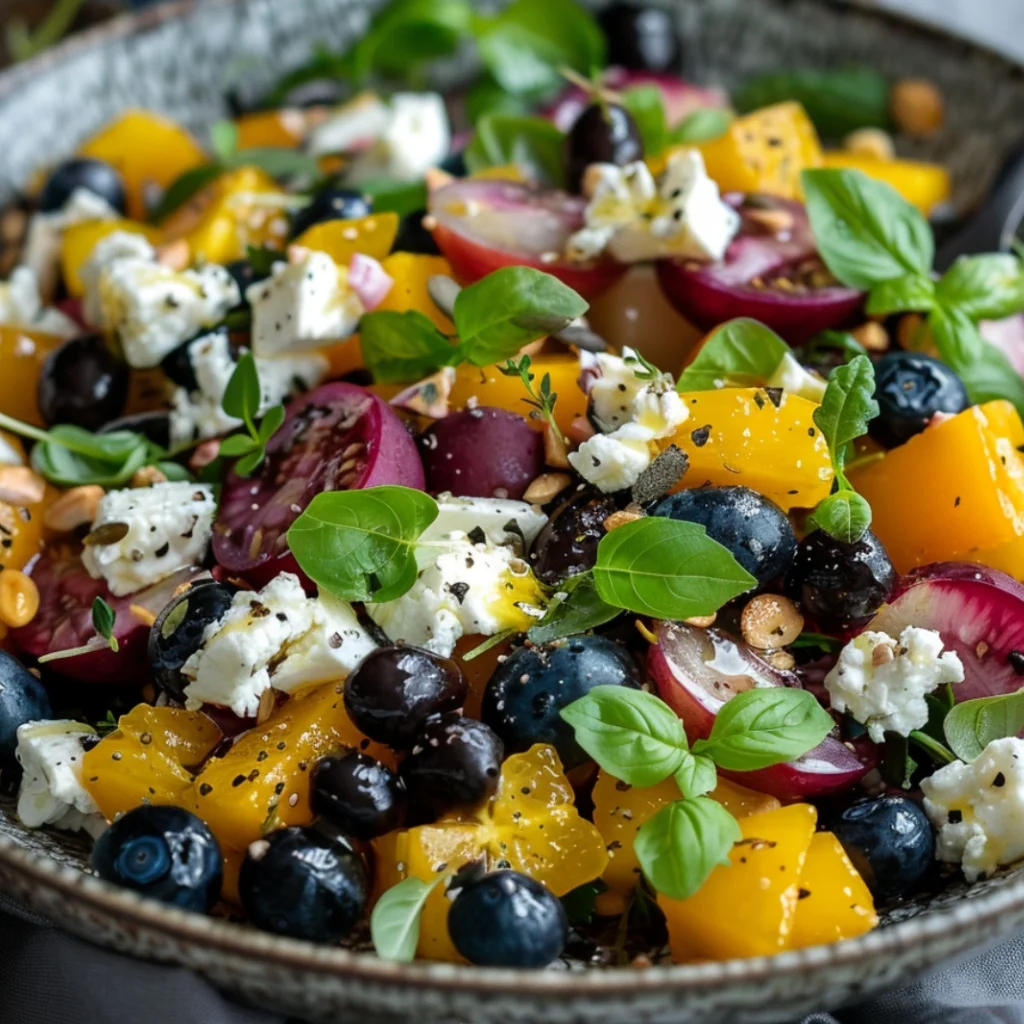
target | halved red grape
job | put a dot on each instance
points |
(338, 437)
(484, 225)
(696, 671)
(769, 274)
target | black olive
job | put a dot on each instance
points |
(81, 172)
(641, 38)
(604, 133)
(82, 384)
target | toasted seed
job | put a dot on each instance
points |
(775, 221)
(106, 533)
(770, 621)
(546, 487)
(19, 599)
(881, 654)
(782, 660)
(873, 336)
(266, 706)
(617, 519)
(147, 476)
(20, 486)
(177, 254)
(74, 508)
(556, 452)
(917, 106)
(702, 621)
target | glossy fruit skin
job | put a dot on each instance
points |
(303, 884)
(165, 853)
(568, 543)
(640, 38)
(178, 632)
(604, 133)
(890, 841)
(754, 529)
(910, 389)
(358, 794)
(394, 690)
(83, 383)
(455, 764)
(23, 698)
(840, 586)
(330, 204)
(525, 697)
(82, 172)
(506, 919)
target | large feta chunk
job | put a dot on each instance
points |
(498, 520)
(883, 682)
(50, 754)
(305, 303)
(416, 138)
(154, 532)
(978, 809)
(276, 638)
(22, 306)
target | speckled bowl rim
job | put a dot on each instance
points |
(212, 933)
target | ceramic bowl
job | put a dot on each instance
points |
(179, 58)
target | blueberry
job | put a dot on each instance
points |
(361, 796)
(890, 841)
(178, 630)
(330, 204)
(165, 853)
(753, 528)
(910, 389)
(568, 543)
(301, 883)
(414, 237)
(525, 696)
(82, 172)
(83, 384)
(604, 133)
(640, 38)
(454, 764)
(506, 919)
(394, 690)
(840, 586)
(22, 699)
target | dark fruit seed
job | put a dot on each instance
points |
(910, 389)
(568, 543)
(22, 699)
(81, 172)
(641, 38)
(83, 384)
(301, 883)
(507, 919)
(603, 134)
(165, 853)
(455, 764)
(363, 797)
(331, 204)
(394, 690)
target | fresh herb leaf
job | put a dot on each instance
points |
(242, 394)
(544, 399)
(103, 617)
(832, 341)
(989, 287)
(107, 724)
(740, 353)
(395, 921)
(183, 188)
(391, 196)
(818, 640)
(991, 375)
(647, 106)
(242, 398)
(492, 641)
(262, 259)
(972, 725)
(701, 126)
(580, 609)
(580, 904)
(486, 96)
(847, 408)
(844, 515)
(403, 347)
(907, 294)
(696, 776)
(897, 766)
(277, 161)
(224, 139)
(532, 144)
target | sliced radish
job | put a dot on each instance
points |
(696, 671)
(338, 437)
(749, 283)
(369, 280)
(485, 225)
(978, 612)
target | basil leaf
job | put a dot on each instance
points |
(242, 395)
(764, 727)
(866, 232)
(69, 456)
(847, 408)
(277, 161)
(701, 126)
(971, 726)
(486, 96)
(391, 196)
(740, 353)
(224, 139)
(402, 347)
(271, 423)
(844, 515)
(519, 62)
(361, 545)
(324, 63)
(532, 144)
(683, 843)
(395, 921)
(631, 734)
(667, 569)
(498, 315)
(236, 445)
(897, 765)
(183, 188)
(581, 609)
(646, 104)
(907, 294)
(580, 903)
(989, 287)
(990, 375)
(103, 617)
(956, 337)
(696, 775)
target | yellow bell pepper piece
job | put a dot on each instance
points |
(278, 129)
(411, 272)
(342, 239)
(22, 355)
(79, 240)
(927, 186)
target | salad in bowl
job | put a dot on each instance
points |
(517, 526)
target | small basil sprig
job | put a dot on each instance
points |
(576, 608)
(740, 353)
(532, 144)
(701, 126)
(542, 399)
(395, 921)
(969, 727)
(242, 399)
(103, 619)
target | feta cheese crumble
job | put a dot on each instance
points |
(50, 754)
(22, 306)
(883, 682)
(978, 809)
(276, 638)
(142, 535)
(415, 138)
(791, 376)
(499, 520)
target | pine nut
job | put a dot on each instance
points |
(20, 486)
(770, 621)
(19, 599)
(74, 508)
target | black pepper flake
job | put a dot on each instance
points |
(810, 431)
(955, 817)
(262, 756)
(758, 400)
(701, 435)
(459, 591)
(281, 617)
(775, 397)
(205, 789)
(162, 550)
(999, 781)
(956, 504)
(802, 894)
(237, 780)
(282, 745)
(477, 535)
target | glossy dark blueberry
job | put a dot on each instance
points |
(604, 133)
(414, 237)
(82, 172)
(154, 425)
(640, 38)
(363, 797)
(568, 543)
(301, 883)
(165, 853)
(506, 919)
(890, 841)
(840, 586)
(330, 204)
(394, 690)
(22, 699)
(177, 632)
(455, 763)
(753, 528)
(82, 383)
(525, 696)
(910, 389)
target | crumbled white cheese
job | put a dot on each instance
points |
(353, 126)
(276, 638)
(791, 376)
(154, 531)
(883, 682)
(416, 138)
(117, 245)
(500, 520)
(978, 809)
(22, 306)
(50, 754)
(610, 464)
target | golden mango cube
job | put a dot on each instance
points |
(411, 272)
(79, 240)
(925, 185)
(342, 239)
